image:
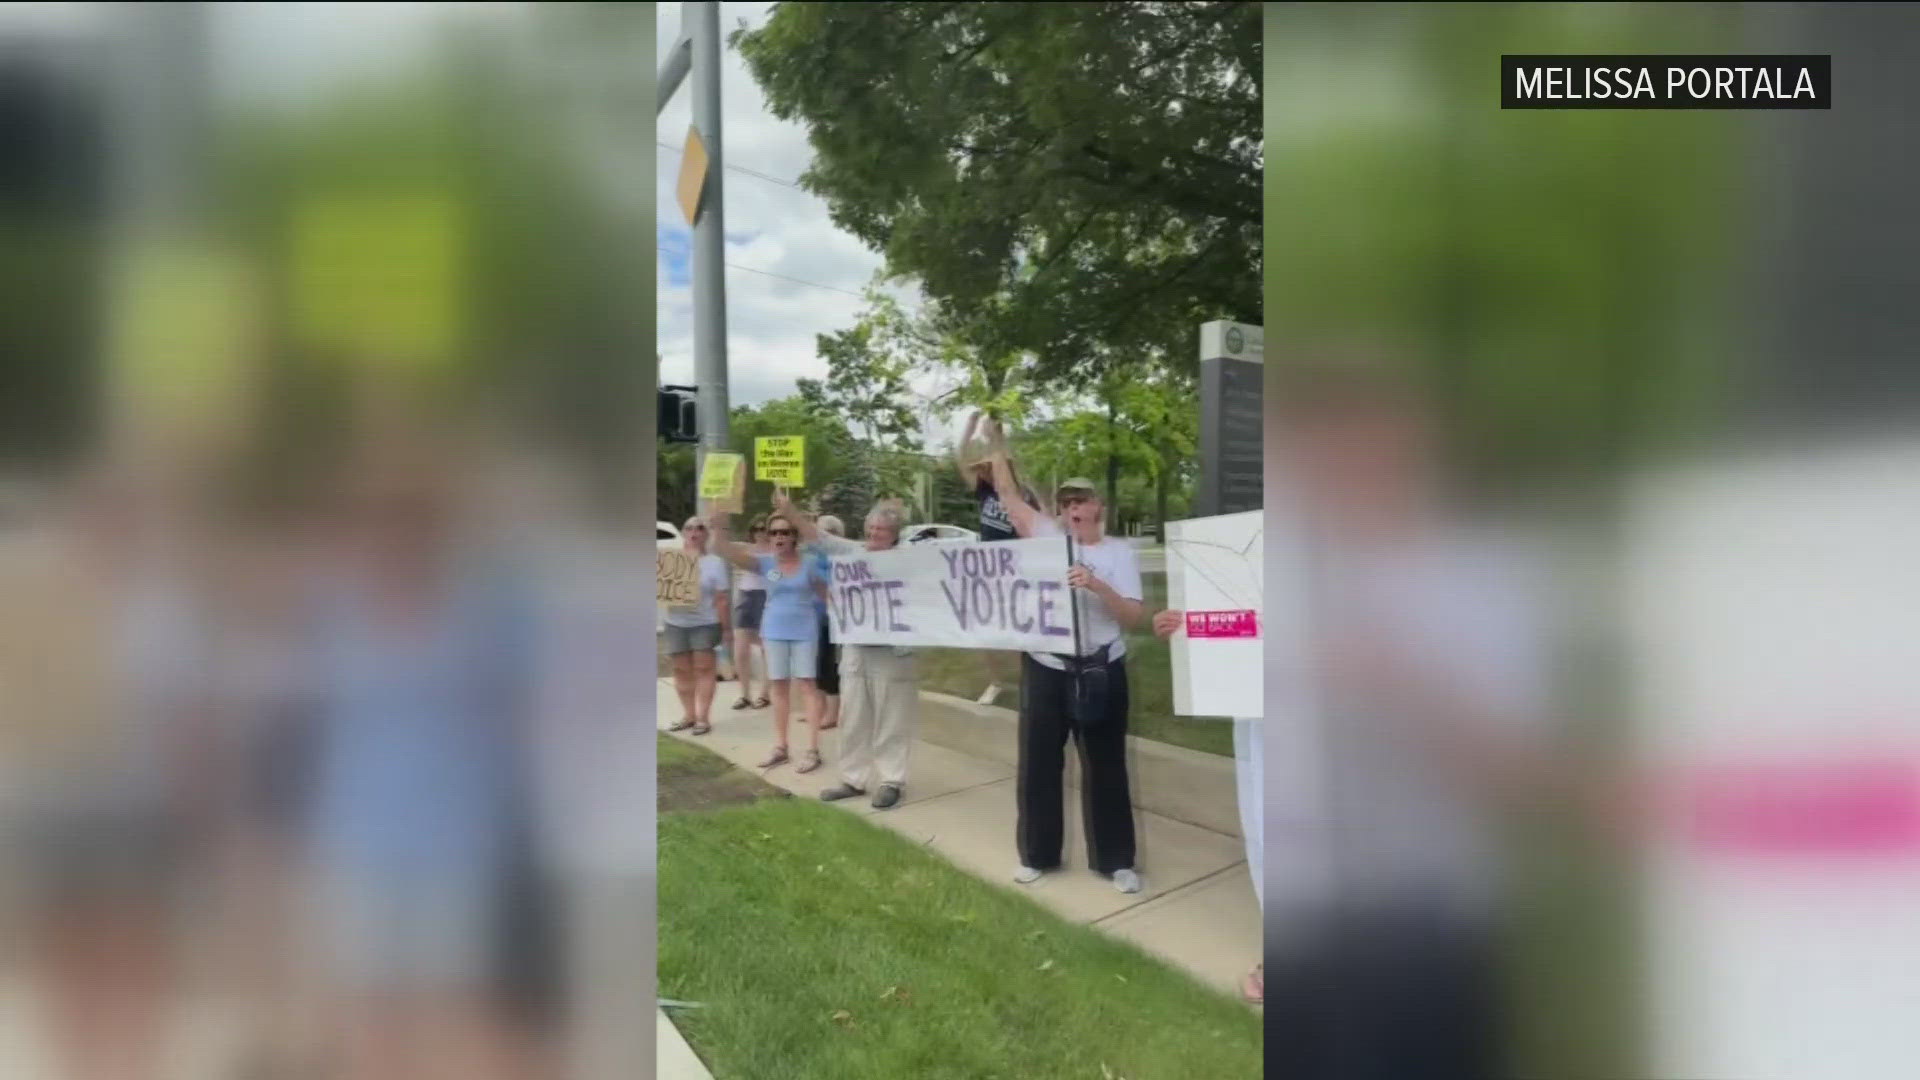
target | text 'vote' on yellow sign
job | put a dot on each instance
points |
(781, 459)
(720, 480)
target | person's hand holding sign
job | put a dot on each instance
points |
(1168, 623)
(1079, 577)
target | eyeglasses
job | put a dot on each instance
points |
(780, 532)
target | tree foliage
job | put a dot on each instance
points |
(1059, 177)
(866, 384)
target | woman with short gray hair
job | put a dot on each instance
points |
(881, 684)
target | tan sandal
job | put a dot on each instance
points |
(808, 762)
(778, 757)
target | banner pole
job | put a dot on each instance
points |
(1073, 606)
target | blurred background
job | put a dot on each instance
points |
(1673, 353)
(326, 343)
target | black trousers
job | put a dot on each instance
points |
(1106, 801)
(1385, 997)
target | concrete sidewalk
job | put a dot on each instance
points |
(1197, 910)
(673, 1058)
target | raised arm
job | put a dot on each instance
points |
(803, 522)
(960, 451)
(736, 553)
(1025, 517)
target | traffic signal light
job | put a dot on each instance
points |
(679, 421)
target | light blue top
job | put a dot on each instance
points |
(416, 763)
(793, 612)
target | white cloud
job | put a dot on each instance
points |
(771, 227)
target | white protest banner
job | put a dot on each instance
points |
(1215, 570)
(1770, 608)
(1009, 594)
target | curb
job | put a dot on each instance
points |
(1172, 781)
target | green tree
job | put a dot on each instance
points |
(1554, 278)
(1059, 177)
(867, 385)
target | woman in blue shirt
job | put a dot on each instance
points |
(790, 627)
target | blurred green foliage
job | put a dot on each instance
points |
(1554, 279)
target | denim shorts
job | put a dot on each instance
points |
(793, 659)
(686, 639)
(753, 604)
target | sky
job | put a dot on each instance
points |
(772, 229)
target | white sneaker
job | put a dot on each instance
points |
(1126, 881)
(1026, 875)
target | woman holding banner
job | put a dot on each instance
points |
(694, 634)
(882, 684)
(1084, 693)
(790, 627)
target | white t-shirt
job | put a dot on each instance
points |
(1113, 562)
(713, 583)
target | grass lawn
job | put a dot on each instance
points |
(827, 948)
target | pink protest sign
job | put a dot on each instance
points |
(1223, 624)
(1862, 808)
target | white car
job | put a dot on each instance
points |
(936, 534)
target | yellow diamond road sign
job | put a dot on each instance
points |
(693, 176)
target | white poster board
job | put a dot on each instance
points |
(1009, 594)
(1771, 616)
(1215, 573)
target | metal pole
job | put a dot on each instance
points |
(701, 24)
(672, 71)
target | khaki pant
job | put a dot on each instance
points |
(879, 709)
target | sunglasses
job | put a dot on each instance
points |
(696, 528)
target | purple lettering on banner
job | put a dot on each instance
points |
(953, 567)
(874, 588)
(981, 597)
(837, 603)
(956, 601)
(970, 561)
(1013, 604)
(840, 571)
(858, 612)
(1006, 563)
(1046, 588)
(866, 571)
(894, 603)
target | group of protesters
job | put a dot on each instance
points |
(1083, 694)
(310, 726)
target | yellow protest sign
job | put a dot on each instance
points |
(376, 278)
(178, 335)
(781, 459)
(720, 480)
